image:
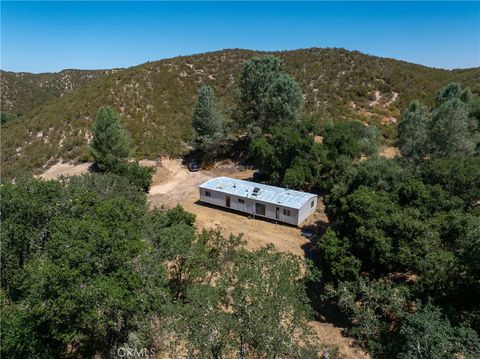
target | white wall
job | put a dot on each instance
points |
(296, 217)
(307, 210)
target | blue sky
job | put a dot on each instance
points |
(50, 36)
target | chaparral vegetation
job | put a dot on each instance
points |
(89, 267)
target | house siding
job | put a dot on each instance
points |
(296, 217)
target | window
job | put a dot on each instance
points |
(260, 209)
(208, 194)
(241, 200)
(286, 212)
(311, 204)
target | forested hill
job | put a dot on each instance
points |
(155, 99)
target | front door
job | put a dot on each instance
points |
(227, 201)
(260, 209)
(277, 213)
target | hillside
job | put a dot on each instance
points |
(155, 99)
(23, 91)
(19, 96)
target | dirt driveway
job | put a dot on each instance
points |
(174, 184)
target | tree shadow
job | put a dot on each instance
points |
(325, 310)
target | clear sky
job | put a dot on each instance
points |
(50, 36)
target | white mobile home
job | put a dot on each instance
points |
(256, 199)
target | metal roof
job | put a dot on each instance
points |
(246, 189)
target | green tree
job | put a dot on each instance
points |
(458, 175)
(25, 210)
(110, 145)
(337, 261)
(350, 138)
(269, 306)
(413, 135)
(289, 156)
(207, 123)
(266, 95)
(375, 307)
(427, 334)
(88, 282)
(452, 131)
(451, 91)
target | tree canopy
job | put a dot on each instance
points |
(450, 128)
(266, 95)
(402, 235)
(110, 144)
(207, 124)
(88, 268)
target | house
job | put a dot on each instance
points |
(259, 200)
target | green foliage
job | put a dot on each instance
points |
(413, 129)
(110, 145)
(266, 308)
(427, 334)
(26, 207)
(404, 234)
(338, 263)
(352, 139)
(289, 155)
(452, 131)
(207, 124)
(81, 272)
(451, 128)
(138, 176)
(459, 175)
(6, 117)
(88, 268)
(266, 95)
(375, 307)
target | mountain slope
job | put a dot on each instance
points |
(155, 100)
(19, 96)
(23, 91)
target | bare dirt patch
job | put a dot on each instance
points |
(65, 169)
(390, 152)
(332, 335)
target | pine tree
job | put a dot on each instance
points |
(266, 95)
(452, 131)
(207, 123)
(110, 145)
(413, 131)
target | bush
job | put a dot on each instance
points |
(137, 175)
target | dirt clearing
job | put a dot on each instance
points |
(174, 184)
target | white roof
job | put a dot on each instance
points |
(246, 189)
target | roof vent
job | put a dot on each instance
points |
(255, 191)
